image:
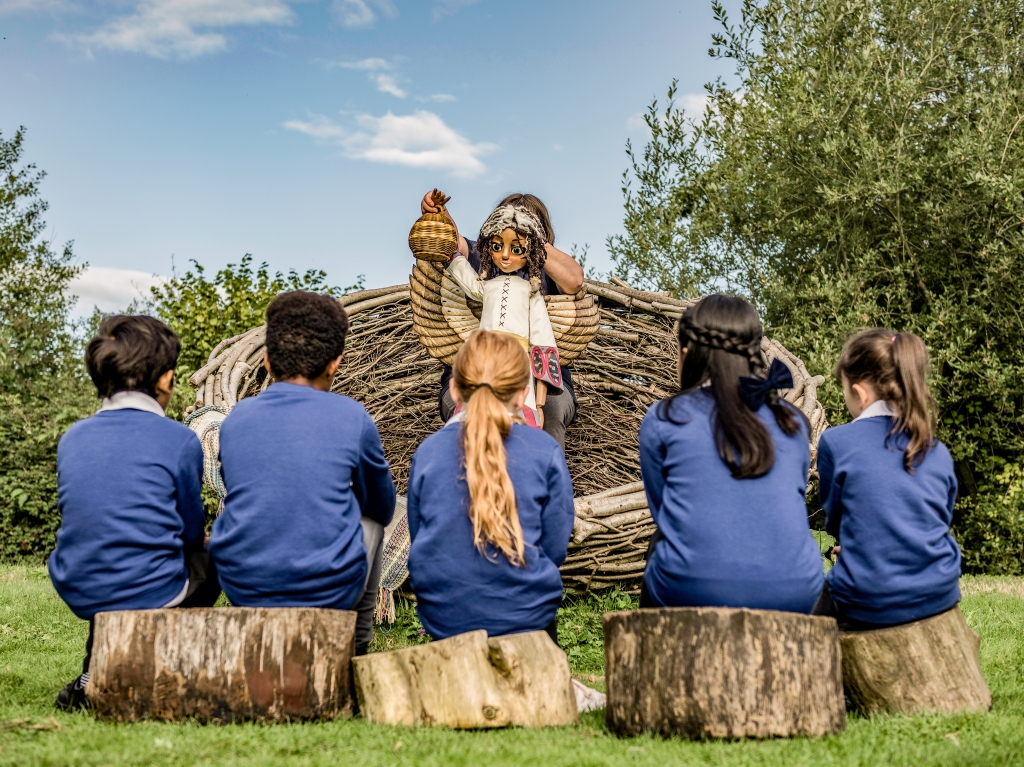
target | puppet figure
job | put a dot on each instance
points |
(511, 246)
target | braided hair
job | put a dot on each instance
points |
(720, 341)
(524, 223)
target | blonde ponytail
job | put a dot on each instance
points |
(489, 370)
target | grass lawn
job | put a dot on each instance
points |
(41, 646)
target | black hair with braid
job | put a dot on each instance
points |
(536, 255)
(720, 341)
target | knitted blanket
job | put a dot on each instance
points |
(395, 567)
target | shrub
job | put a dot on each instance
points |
(866, 169)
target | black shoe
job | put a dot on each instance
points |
(72, 697)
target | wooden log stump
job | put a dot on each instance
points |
(723, 673)
(469, 681)
(222, 664)
(930, 665)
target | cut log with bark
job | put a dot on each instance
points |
(469, 681)
(931, 665)
(222, 664)
(723, 673)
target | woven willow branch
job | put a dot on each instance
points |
(629, 365)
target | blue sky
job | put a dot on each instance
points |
(305, 132)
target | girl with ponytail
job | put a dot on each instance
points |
(490, 504)
(725, 465)
(888, 489)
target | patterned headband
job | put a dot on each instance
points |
(513, 217)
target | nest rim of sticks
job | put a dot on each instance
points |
(630, 364)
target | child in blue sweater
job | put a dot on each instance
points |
(128, 481)
(724, 465)
(490, 504)
(888, 488)
(308, 489)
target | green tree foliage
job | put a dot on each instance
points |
(42, 389)
(204, 312)
(866, 169)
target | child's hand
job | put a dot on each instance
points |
(833, 553)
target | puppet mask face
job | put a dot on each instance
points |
(508, 251)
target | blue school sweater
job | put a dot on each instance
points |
(457, 588)
(726, 542)
(899, 562)
(301, 466)
(128, 485)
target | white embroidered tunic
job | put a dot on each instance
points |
(509, 307)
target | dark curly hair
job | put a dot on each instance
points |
(129, 353)
(305, 331)
(721, 338)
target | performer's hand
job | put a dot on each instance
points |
(429, 203)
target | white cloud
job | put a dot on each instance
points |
(450, 7)
(387, 84)
(419, 140)
(369, 64)
(441, 98)
(694, 104)
(359, 14)
(182, 28)
(111, 289)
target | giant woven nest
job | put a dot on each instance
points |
(630, 363)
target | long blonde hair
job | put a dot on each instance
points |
(489, 370)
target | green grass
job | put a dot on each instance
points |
(41, 646)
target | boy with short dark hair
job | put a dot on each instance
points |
(128, 482)
(308, 489)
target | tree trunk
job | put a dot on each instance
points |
(930, 665)
(469, 681)
(222, 664)
(722, 672)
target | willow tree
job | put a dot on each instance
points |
(863, 166)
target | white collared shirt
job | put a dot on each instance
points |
(132, 400)
(877, 408)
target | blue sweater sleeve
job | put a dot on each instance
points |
(412, 501)
(558, 514)
(371, 480)
(829, 488)
(188, 485)
(652, 463)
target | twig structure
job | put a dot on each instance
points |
(629, 364)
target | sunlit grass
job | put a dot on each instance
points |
(41, 645)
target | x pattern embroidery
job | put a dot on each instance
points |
(504, 302)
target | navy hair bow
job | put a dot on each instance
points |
(755, 391)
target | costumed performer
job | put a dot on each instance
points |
(559, 274)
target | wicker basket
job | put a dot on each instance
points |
(434, 236)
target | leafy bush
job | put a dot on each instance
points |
(42, 387)
(205, 312)
(866, 170)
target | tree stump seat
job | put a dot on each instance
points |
(723, 673)
(222, 664)
(469, 681)
(931, 665)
